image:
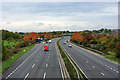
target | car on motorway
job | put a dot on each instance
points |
(64, 43)
(67, 41)
(50, 41)
(46, 47)
(69, 45)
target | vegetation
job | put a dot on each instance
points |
(12, 43)
(7, 63)
(72, 72)
(12, 48)
(101, 40)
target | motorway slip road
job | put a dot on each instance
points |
(36, 63)
(93, 65)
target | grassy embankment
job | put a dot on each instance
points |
(110, 56)
(7, 63)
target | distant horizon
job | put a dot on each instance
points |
(59, 16)
(53, 31)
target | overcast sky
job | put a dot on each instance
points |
(56, 16)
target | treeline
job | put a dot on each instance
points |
(12, 43)
(6, 35)
(101, 40)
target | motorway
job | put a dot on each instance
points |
(36, 63)
(93, 65)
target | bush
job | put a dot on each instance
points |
(118, 50)
(22, 44)
(93, 42)
(117, 54)
(15, 50)
(4, 52)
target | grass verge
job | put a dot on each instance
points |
(72, 72)
(110, 57)
(7, 63)
(83, 77)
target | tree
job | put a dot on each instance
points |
(88, 37)
(77, 37)
(118, 50)
(4, 53)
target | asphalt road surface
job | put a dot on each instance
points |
(36, 63)
(93, 65)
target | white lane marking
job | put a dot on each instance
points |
(114, 70)
(117, 72)
(46, 65)
(102, 73)
(76, 64)
(21, 64)
(105, 65)
(33, 65)
(86, 61)
(44, 75)
(93, 66)
(8, 76)
(26, 76)
(36, 60)
(59, 60)
(110, 68)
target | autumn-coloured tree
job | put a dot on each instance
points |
(77, 37)
(31, 36)
(88, 37)
(118, 49)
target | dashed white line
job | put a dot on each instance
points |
(8, 76)
(86, 61)
(105, 65)
(102, 73)
(26, 76)
(93, 66)
(114, 70)
(44, 75)
(21, 64)
(36, 60)
(117, 72)
(33, 65)
(110, 68)
(46, 65)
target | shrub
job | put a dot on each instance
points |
(15, 50)
(118, 50)
(22, 44)
(4, 52)
(93, 42)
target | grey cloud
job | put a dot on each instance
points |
(40, 24)
(8, 22)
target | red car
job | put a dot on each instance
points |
(46, 47)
